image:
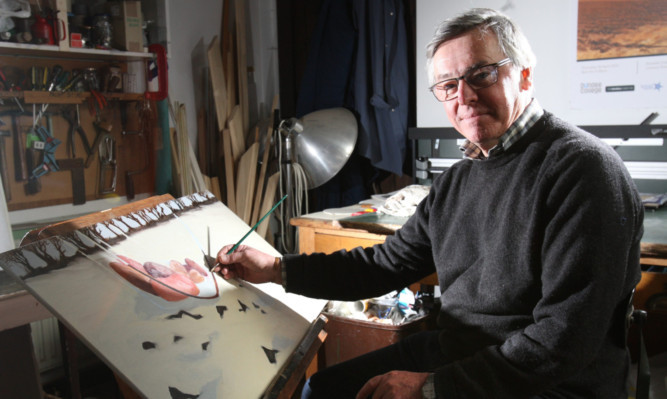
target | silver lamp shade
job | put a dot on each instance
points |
(325, 143)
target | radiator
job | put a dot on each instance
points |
(46, 342)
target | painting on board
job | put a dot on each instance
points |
(621, 28)
(138, 291)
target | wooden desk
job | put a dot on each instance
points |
(319, 232)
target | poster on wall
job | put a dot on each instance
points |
(621, 54)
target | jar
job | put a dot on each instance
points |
(90, 79)
(102, 31)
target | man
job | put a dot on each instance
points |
(535, 237)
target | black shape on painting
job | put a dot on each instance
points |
(148, 345)
(255, 305)
(244, 307)
(221, 310)
(183, 312)
(177, 338)
(270, 354)
(205, 345)
(176, 394)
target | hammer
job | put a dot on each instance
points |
(3, 162)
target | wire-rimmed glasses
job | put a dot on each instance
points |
(478, 78)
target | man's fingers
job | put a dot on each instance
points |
(369, 387)
(223, 251)
(226, 272)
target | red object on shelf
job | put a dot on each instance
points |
(76, 40)
(161, 72)
(42, 31)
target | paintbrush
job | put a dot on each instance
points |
(253, 228)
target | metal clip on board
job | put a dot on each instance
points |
(107, 150)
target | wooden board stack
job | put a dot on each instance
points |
(241, 164)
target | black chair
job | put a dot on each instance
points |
(637, 318)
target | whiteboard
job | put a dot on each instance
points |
(551, 29)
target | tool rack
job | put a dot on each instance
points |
(70, 174)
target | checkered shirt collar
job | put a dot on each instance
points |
(524, 122)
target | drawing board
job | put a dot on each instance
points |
(137, 290)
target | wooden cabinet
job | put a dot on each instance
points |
(327, 235)
(50, 141)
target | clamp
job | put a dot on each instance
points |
(50, 144)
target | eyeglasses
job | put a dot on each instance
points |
(478, 78)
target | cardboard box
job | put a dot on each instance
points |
(127, 24)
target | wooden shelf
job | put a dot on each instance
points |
(41, 50)
(67, 97)
(78, 185)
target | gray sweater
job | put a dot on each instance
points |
(536, 250)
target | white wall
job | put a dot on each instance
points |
(551, 29)
(263, 56)
(188, 22)
(192, 22)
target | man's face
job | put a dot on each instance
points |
(481, 115)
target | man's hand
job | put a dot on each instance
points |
(248, 264)
(394, 384)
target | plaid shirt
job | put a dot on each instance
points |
(525, 121)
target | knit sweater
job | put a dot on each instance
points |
(536, 250)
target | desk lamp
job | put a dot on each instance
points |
(313, 150)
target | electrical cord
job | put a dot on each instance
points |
(298, 193)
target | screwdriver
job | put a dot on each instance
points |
(55, 75)
(45, 78)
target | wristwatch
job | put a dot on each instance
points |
(428, 389)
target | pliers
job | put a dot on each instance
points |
(75, 126)
(96, 102)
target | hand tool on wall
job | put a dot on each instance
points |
(35, 72)
(13, 79)
(41, 149)
(77, 76)
(33, 157)
(54, 77)
(48, 147)
(3, 161)
(96, 102)
(141, 133)
(44, 79)
(3, 81)
(75, 166)
(107, 149)
(20, 166)
(62, 81)
(101, 129)
(71, 115)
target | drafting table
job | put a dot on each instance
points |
(204, 345)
